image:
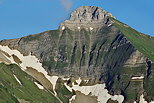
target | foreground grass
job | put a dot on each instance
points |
(11, 91)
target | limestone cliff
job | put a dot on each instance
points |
(87, 17)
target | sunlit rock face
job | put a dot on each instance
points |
(136, 59)
(88, 17)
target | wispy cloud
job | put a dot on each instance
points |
(67, 4)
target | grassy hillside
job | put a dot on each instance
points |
(142, 42)
(13, 92)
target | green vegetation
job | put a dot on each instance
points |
(63, 92)
(31, 37)
(130, 95)
(142, 42)
(50, 64)
(149, 83)
(11, 90)
(122, 81)
(54, 34)
(61, 65)
(6, 97)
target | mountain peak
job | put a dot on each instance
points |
(86, 17)
(88, 14)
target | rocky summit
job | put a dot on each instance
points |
(91, 58)
(87, 16)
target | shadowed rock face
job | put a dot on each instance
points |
(86, 53)
(87, 16)
(87, 46)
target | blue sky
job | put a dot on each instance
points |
(24, 17)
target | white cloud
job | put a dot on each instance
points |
(67, 4)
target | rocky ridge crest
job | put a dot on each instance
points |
(87, 17)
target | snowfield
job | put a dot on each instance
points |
(39, 86)
(95, 90)
(27, 61)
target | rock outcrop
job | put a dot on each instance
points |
(88, 17)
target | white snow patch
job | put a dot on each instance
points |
(54, 81)
(142, 100)
(65, 78)
(3, 58)
(79, 28)
(63, 27)
(91, 28)
(96, 90)
(28, 61)
(39, 86)
(17, 79)
(86, 81)
(139, 77)
(109, 25)
(55, 59)
(73, 98)
(79, 81)
(119, 98)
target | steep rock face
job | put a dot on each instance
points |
(89, 45)
(90, 53)
(136, 58)
(87, 16)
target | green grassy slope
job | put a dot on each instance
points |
(62, 92)
(11, 90)
(142, 42)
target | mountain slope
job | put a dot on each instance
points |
(16, 92)
(88, 53)
(142, 42)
